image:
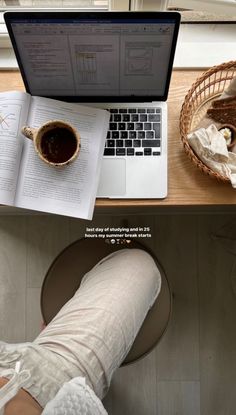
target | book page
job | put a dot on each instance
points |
(69, 190)
(13, 114)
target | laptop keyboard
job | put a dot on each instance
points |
(134, 132)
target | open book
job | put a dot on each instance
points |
(25, 180)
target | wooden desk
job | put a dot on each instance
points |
(188, 186)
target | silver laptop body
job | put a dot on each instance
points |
(121, 61)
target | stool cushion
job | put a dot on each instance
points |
(66, 272)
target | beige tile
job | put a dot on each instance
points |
(47, 236)
(140, 227)
(176, 248)
(178, 398)
(12, 316)
(33, 313)
(107, 402)
(217, 270)
(12, 254)
(78, 228)
(12, 278)
(133, 389)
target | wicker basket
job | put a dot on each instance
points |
(206, 88)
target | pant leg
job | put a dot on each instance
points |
(95, 330)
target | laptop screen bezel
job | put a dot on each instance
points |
(12, 17)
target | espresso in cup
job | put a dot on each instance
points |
(58, 145)
(56, 142)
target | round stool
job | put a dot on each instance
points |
(66, 272)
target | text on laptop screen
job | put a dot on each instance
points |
(77, 57)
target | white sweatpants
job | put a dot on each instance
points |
(94, 331)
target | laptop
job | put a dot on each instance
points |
(119, 61)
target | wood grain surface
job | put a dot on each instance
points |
(187, 185)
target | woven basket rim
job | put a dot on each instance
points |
(185, 114)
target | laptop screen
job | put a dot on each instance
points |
(95, 56)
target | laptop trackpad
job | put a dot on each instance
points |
(112, 178)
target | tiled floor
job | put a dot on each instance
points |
(193, 369)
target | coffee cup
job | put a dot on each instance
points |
(56, 142)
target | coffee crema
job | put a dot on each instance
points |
(58, 145)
